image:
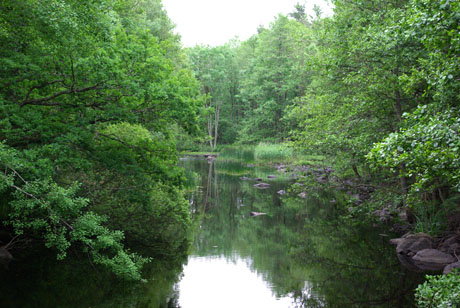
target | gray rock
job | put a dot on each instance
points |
(5, 257)
(281, 192)
(450, 245)
(244, 178)
(408, 246)
(271, 176)
(450, 267)
(432, 259)
(414, 243)
(262, 185)
(257, 214)
(322, 179)
(383, 214)
(258, 179)
(303, 195)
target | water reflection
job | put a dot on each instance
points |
(302, 252)
(221, 282)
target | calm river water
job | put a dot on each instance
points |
(299, 254)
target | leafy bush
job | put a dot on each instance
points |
(441, 291)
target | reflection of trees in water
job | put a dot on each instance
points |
(350, 264)
(37, 279)
(300, 247)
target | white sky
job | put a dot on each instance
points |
(215, 22)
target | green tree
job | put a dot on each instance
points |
(89, 90)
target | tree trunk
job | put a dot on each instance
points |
(216, 124)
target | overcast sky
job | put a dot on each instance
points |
(215, 22)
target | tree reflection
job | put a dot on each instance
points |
(302, 247)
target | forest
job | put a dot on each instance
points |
(98, 99)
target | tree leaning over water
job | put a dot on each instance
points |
(89, 91)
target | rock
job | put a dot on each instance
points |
(298, 184)
(413, 243)
(244, 178)
(257, 214)
(403, 216)
(281, 192)
(250, 165)
(258, 179)
(333, 201)
(432, 259)
(303, 195)
(383, 214)
(5, 257)
(450, 245)
(271, 176)
(408, 246)
(262, 185)
(322, 179)
(450, 267)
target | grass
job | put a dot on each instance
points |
(281, 153)
(199, 153)
(263, 153)
(237, 153)
(273, 153)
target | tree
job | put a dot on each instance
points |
(88, 92)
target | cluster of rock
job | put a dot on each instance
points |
(420, 252)
(259, 185)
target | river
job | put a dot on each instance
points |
(300, 253)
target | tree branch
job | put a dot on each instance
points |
(43, 101)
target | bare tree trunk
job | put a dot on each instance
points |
(210, 130)
(216, 124)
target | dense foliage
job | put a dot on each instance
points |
(89, 91)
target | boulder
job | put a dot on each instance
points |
(303, 195)
(432, 259)
(258, 179)
(451, 245)
(383, 214)
(407, 247)
(244, 178)
(5, 257)
(257, 214)
(412, 244)
(281, 192)
(450, 267)
(271, 176)
(262, 185)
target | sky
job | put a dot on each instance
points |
(215, 22)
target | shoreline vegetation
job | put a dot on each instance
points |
(99, 98)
